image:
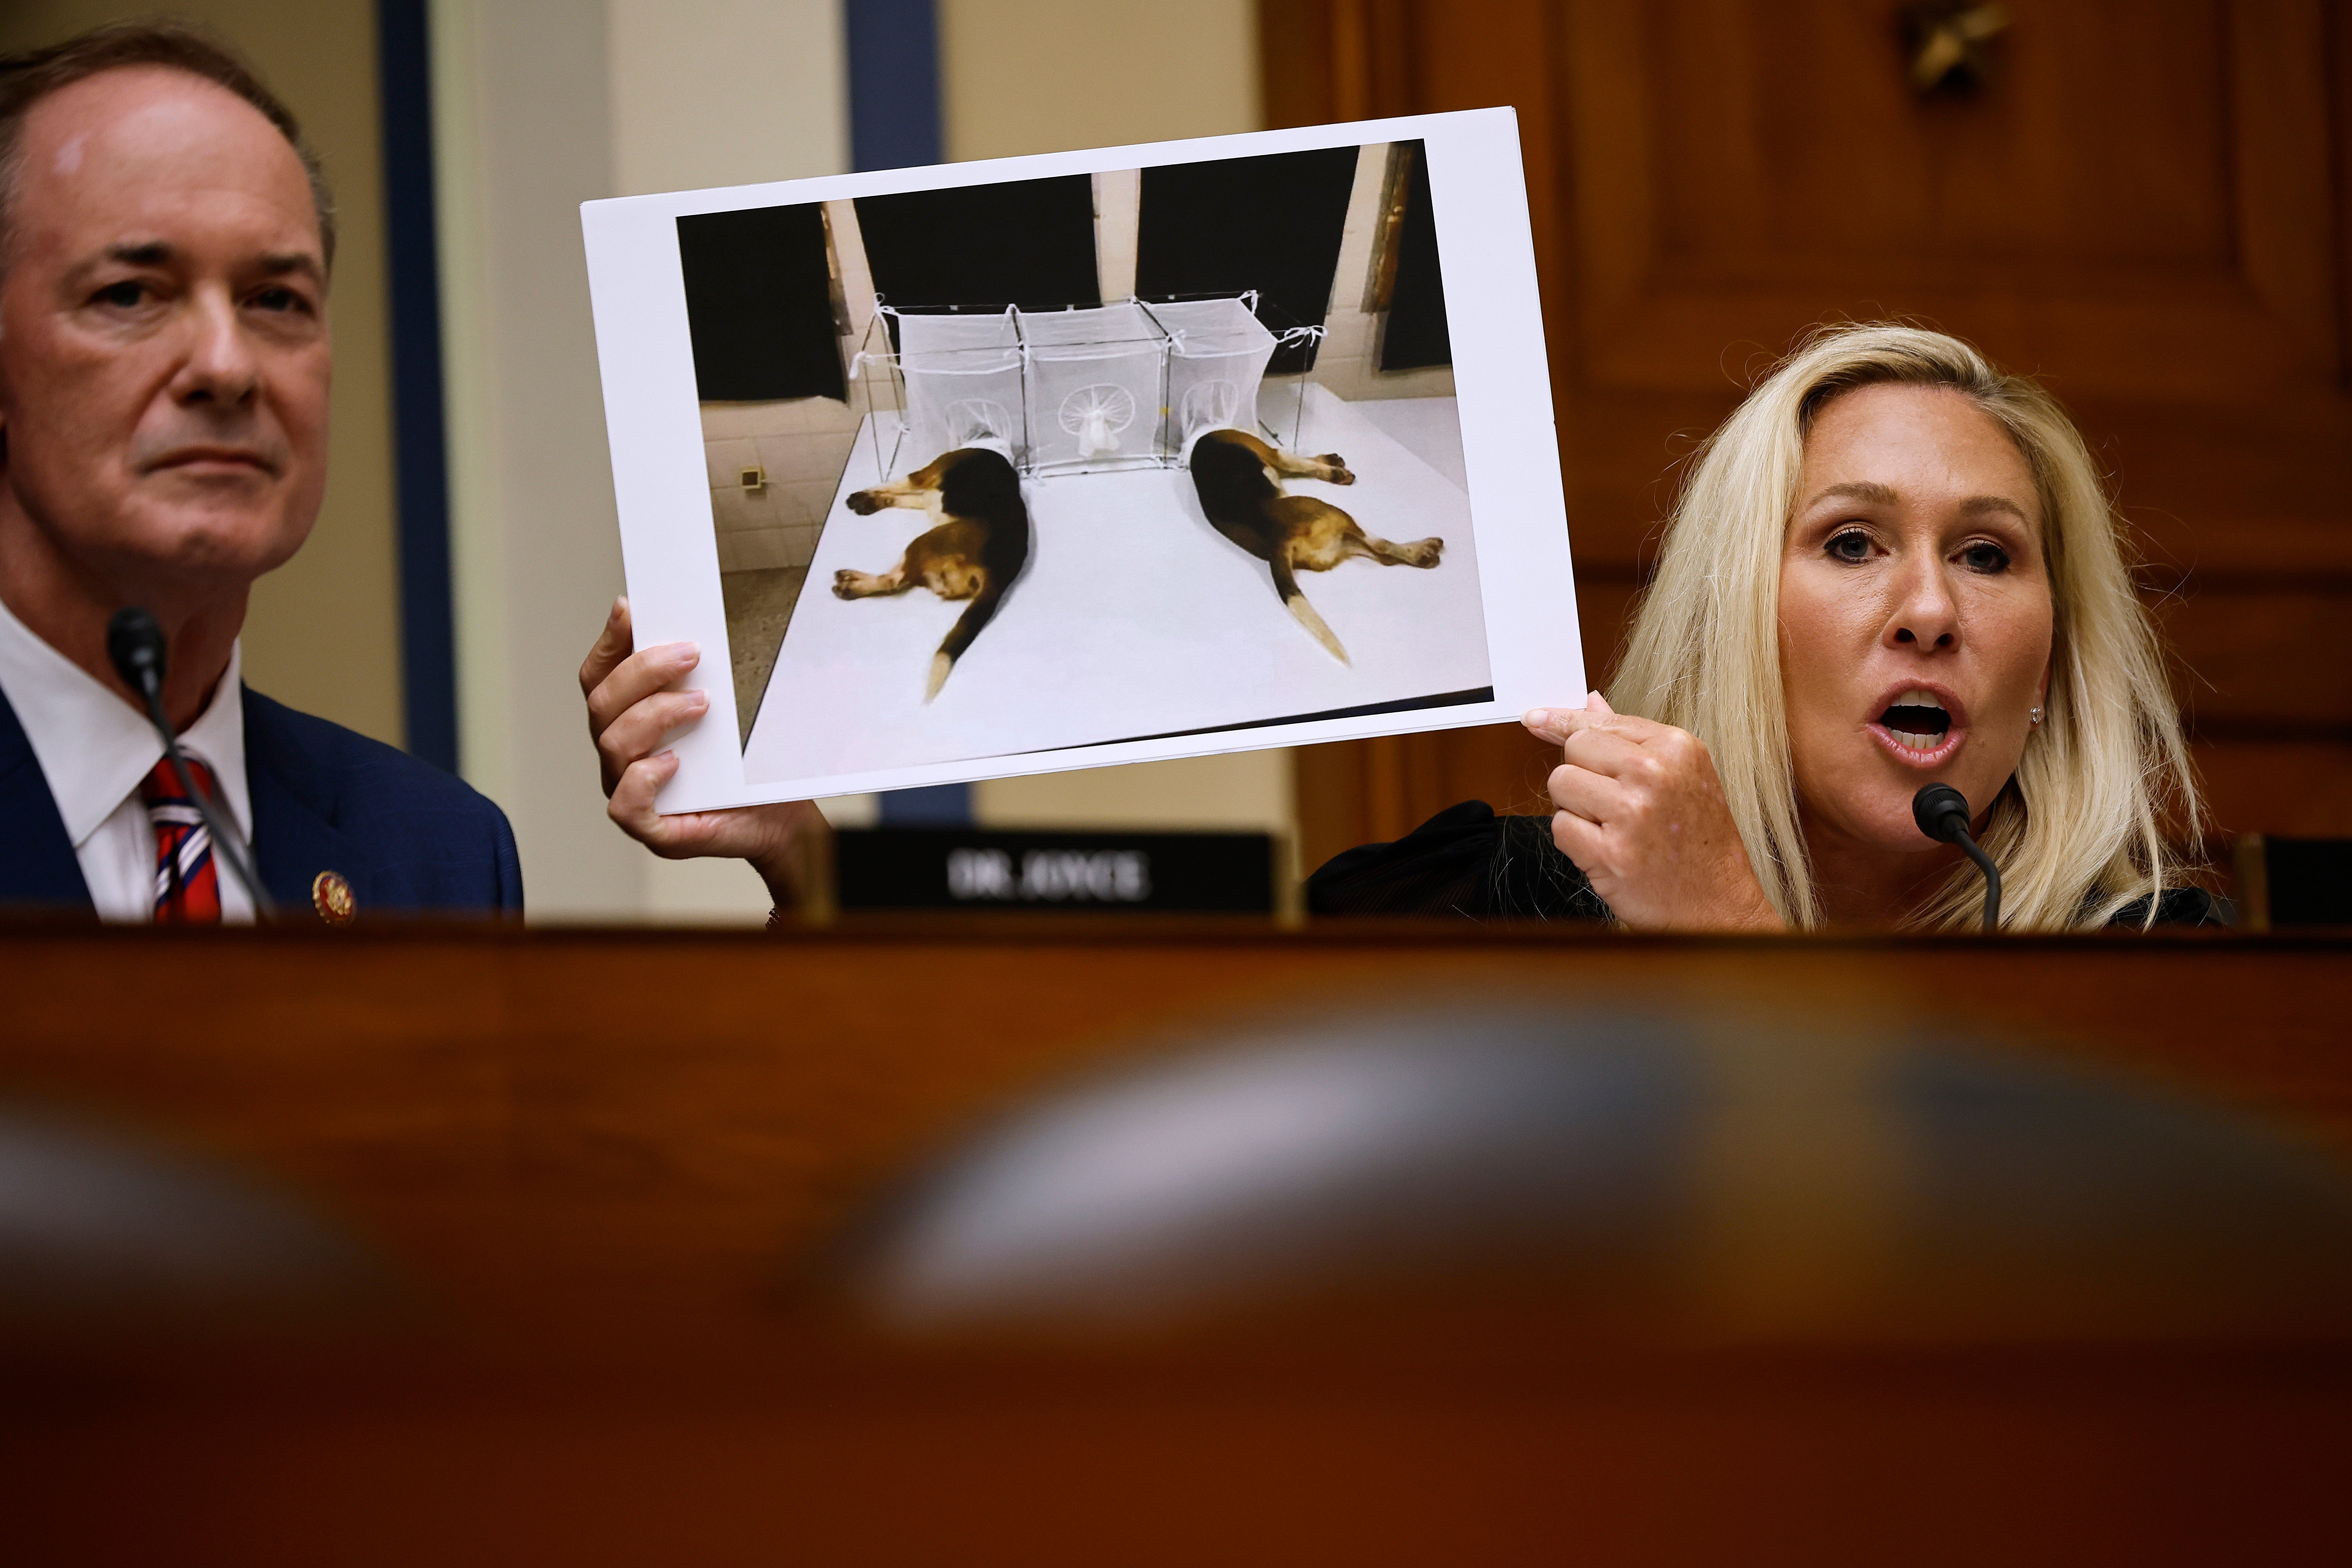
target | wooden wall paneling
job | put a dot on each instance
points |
(2227, 433)
(2244, 645)
(2137, 207)
(2339, 104)
(2281, 136)
(1328, 61)
(2288, 788)
(1294, 62)
(2148, 207)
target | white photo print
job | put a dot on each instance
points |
(1096, 458)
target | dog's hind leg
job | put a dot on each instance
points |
(1322, 536)
(847, 585)
(1420, 552)
(902, 493)
(1315, 534)
(1331, 468)
(919, 489)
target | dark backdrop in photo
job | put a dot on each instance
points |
(1273, 223)
(759, 305)
(1416, 334)
(1029, 242)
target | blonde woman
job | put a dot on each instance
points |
(1893, 565)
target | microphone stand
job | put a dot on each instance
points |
(136, 644)
(1942, 814)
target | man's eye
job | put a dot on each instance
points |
(127, 295)
(1852, 545)
(279, 299)
(1988, 559)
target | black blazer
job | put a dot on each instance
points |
(404, 834)
(1466, 860)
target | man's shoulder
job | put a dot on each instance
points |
(321, 753)
(434, 840)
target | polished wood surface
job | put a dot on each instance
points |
(602, 1156)
(588, 1125)
(2145, 206)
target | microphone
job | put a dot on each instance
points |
(136, 647)
(1942, 814)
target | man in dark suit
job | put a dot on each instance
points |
(164, 248)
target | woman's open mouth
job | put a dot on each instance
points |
(1918, 728)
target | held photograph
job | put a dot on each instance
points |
(1089, 464)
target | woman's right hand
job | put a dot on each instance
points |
(631, 706)
(1643, 815)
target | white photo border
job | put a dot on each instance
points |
(1503, 385)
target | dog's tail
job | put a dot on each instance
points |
(959, 636)
(1285, 582)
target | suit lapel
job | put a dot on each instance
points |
(294, 832)
(38, 865)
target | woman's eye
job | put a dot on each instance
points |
(1852, 545)
(1988, 559)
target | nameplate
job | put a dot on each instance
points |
(972, 868)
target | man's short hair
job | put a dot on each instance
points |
(28, 78)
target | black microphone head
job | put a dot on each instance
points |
(135, 645)
(1941, 812)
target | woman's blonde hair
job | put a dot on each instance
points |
(2078, 833)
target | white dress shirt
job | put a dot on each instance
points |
(95, 749)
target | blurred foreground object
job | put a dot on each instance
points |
(1651, 1178)
(102, 1237)
(598, 1154)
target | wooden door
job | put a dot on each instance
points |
(2145, 205)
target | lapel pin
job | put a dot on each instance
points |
(330, 895)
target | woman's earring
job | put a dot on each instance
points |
(2037, 715)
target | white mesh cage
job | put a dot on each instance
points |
(1098, 382)
(1070, 392)
(963, 379)
(1218, 351)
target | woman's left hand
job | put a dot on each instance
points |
(1643, 815)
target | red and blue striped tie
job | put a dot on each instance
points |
(187, 884)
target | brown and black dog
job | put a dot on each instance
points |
(1238, 479)
(977, 549)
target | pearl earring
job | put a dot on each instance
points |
(2037, 715)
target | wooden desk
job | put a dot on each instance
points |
(600, 1151)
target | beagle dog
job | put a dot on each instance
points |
(1238, 479)
(973, 552)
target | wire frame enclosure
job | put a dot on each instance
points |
(1092, 389)
(1098, 380)
(1218, 351)
(963, 381)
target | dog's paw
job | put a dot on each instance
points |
(862, 503)
(1425, 552)
(1338, 466)
(844, 584)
